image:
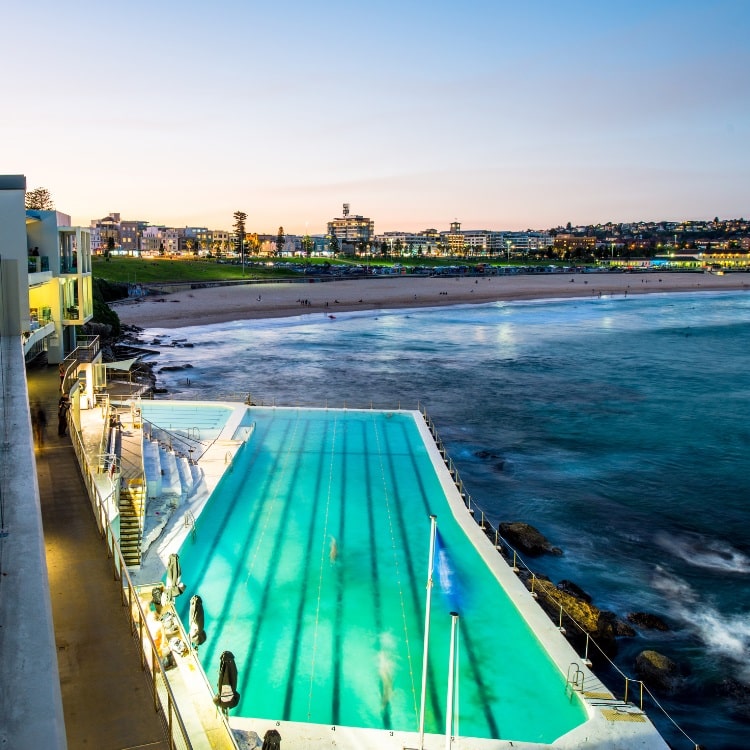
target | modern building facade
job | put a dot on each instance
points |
(50, 264)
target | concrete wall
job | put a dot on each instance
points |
(31, 713)
(13, 248)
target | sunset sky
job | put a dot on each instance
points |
(501, 115)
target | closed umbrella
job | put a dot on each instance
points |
(174, 586)
(197, 633)
(227, 697)
(271, 740)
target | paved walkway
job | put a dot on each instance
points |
(106, 695)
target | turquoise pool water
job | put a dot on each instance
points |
(201, 421)
(311, 560)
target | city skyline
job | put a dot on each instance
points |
(497, 115)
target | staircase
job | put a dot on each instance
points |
(132, 500)
(174, 483)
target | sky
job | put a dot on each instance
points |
(499, 115)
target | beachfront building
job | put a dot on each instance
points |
(130, 236)
(193, 240)
(221, 241)
(104, 230)
(159, 241)
(351, 231)
(706, 261)
(572, 245)
(52, 286)
(407, 244)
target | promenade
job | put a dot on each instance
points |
(107, 701)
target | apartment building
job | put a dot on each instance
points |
(52, 283)
(103, 230)
(352, 230)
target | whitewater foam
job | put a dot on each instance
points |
(726, 635)
(704, 552)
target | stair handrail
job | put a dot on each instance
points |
(184, 445)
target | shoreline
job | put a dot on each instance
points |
(254, 301)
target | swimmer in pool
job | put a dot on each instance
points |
(385, 671)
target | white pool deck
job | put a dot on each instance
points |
(611, 723)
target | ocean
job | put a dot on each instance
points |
(619, 427)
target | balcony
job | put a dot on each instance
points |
(71, 315)
(39, 317)
(87, 349)
(38, 263)
(68, 266)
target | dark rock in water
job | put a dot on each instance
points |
(622, 629)
(571, 588)
(648, 620)
(175, 368)
(160, 390)
(500, 465)
(528, 539)
(659, 672)
(739, 694)
(578, 617)
(485, 454)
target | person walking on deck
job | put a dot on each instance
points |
(62, 416)
(39, 422)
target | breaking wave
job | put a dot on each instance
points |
(724, 635)
(704, 552)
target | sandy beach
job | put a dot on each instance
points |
(285, 299)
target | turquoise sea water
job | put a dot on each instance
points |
(619, 427)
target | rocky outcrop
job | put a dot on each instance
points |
(573, 589)
(659, 672)
(648, 621)
(527, 539)
(601, 625)
(176, 368)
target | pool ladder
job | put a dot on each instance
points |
(574, 678)
(188, 522)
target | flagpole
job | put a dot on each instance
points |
(451, 664)
(433, 529)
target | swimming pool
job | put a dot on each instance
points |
(198, 421)
(311, 559)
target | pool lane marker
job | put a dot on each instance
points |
(322, 562)
(394, 550)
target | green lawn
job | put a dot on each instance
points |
(140, 270)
